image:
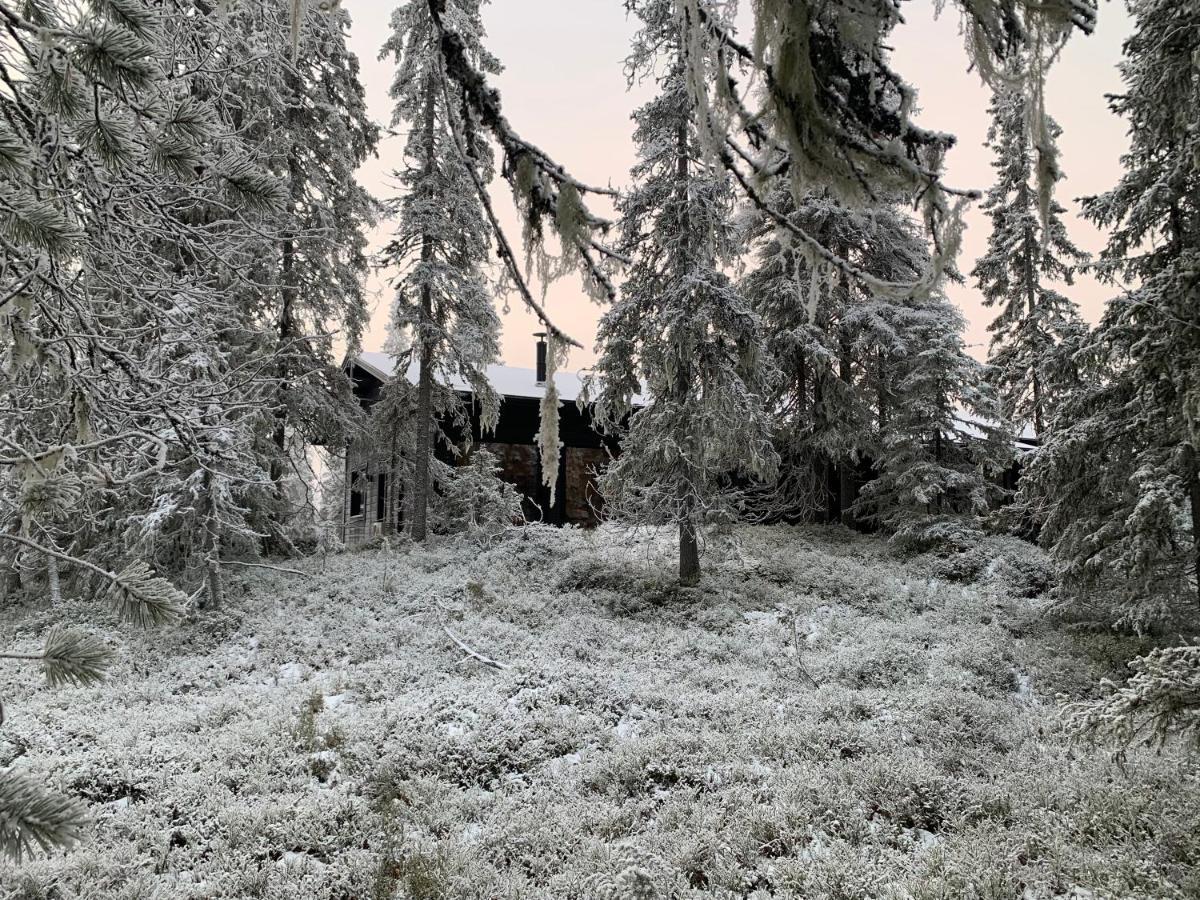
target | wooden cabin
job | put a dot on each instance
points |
(372, 506)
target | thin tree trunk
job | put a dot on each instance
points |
(286, 331)
(215, 591)
(845, 482)
(937, 450)
(212, 558)
(289, 288)
(52, 579)
(828, 477)
(348, 476)
(423, 434)
(1029, 251)
(1031, 302)
(393, 485)
(1192, 471)
(689, 547)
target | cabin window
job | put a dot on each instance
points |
(380, 496)
(356, 494)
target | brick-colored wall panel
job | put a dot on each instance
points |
(583, 500)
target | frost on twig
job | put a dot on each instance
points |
(259, 565)
(473, 653)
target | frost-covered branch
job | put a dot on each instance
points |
(473, 653)
(543, 189)
(1161, 700)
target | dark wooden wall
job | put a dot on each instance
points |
(585, 451)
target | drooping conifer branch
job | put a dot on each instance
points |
(511, 263)
(544, 190)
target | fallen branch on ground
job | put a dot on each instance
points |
(256, 565)
(473, 653)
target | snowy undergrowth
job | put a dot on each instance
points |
(819, 720)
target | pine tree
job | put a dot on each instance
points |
(441, 241)
(833, 113)
(1025, 251)
(680, 325)
(831, 337)
(107, 152)
(942, 440)
(832, 107)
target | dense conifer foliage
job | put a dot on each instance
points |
(1118, 482)
(442, 317)
(157, 355)
(1036, 326)
(782, 388)
(681, 327)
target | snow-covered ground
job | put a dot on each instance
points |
(819, 720)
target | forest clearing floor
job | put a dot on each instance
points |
(819, 719)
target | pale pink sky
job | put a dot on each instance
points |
(563, 89)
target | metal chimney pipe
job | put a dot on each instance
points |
(541, 356)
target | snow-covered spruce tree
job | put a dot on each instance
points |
(869, 375)
(440, 245)
(832, 108)
(831, 338)
(1118, 482)
(833, 114)
(1025, 251)
(942, 439)
(680, 326)
(216, 347)
(305, 118)
(1160, 701)
(1117, 485)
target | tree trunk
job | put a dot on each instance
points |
(1031, 301)
(1192, 470)
(393, 484)
(689, 552)
(1029, 251)
(289, 286)
(289, 291)
(52, 579)
(348, 487)
(212, 558)
(845, 481)
(423, 434)
(938, 504)
(826, 467)
(215, 591)
(689, 547)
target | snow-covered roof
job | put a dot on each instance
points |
(513, 381)
(972, 426)
(507, 381)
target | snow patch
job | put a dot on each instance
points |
(291, 672)
(1024, 683)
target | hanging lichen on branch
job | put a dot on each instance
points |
(548, 441)
(297, 19)
(833, 114)
(536, 179)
